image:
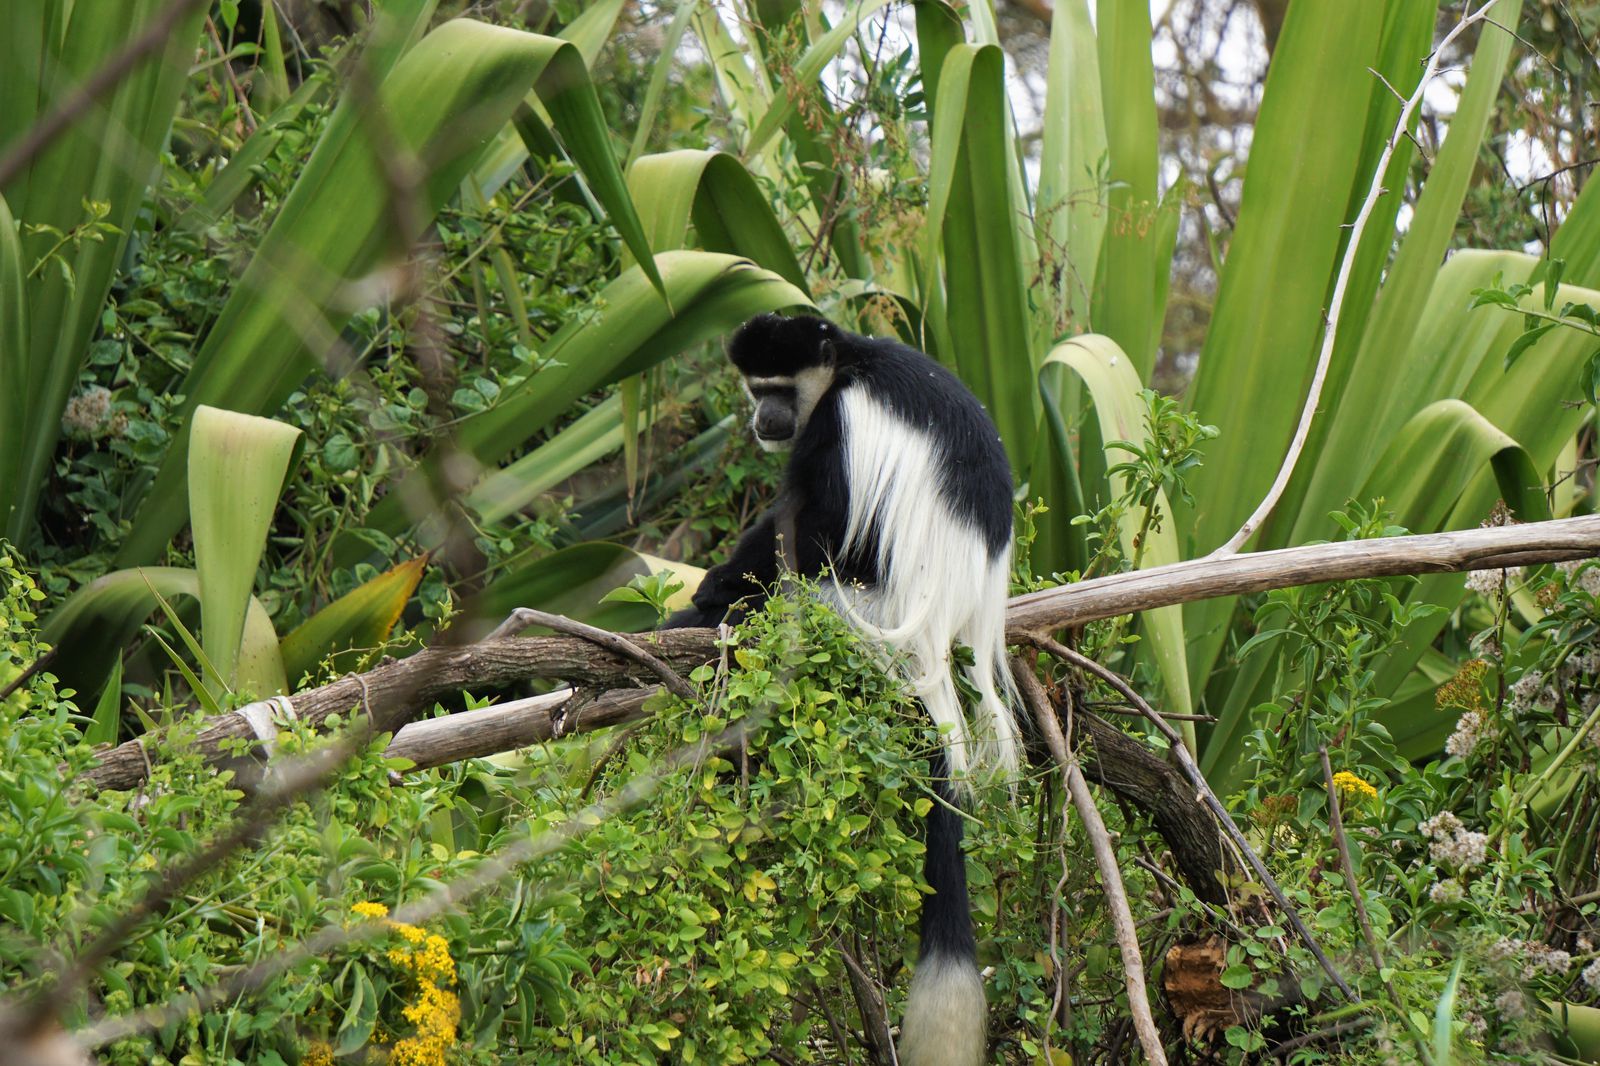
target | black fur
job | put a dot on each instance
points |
(975, 478)
(946, 924)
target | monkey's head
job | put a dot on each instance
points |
(788, 366)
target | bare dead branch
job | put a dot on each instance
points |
(1105, 857)
(1492, 548)
(392, 694)
(524, 617)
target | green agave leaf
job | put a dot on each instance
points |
(361, 619)
(236, 473)
(572, 582)
(48, 48)
(586, 441)
(1114, 388)
(632, 329)
(1071, 223)
(1436, 454)
(91, 628)
(714, 191)
(1384, 390)
(15, 398)
(1582, 1026)
(106, 721)
(1257, 359)
(457, 88)
(610, 511)
(1577, 242)
(974, 217)
(1126, 283)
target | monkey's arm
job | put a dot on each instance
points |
(747, 575)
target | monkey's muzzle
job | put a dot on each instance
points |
(774, 421)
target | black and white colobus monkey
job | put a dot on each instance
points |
(898, 488)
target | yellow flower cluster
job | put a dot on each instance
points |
(1351, 785)
(435, 1015)
(318, 1054)
(435, 1012)
(426, 955)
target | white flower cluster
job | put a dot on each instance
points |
(1546, 959)
(1533, 959)
(1453, 844)
(1470, 729)
(1510, 1005)
(1591, 975)
(1490, 582)
(1588, 580)
(87, 412)
(1583, 662)
(1530, 691)
(1447, 891)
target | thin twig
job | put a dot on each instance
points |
(1342, 843)
(523, 617)
(80, 99)
(1205, 795)
(1332, 1032)
(1336, 302)
(233, 80)
(1105, 857)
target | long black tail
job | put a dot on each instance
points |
(946, 1022)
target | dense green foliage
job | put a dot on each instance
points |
(501, 397)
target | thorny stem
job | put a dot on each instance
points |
(1336, 303)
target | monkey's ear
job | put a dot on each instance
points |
(826, 353)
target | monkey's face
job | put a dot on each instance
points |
(784, 404)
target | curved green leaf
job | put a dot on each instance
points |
(236, 472)
(714, 191)
(632, 329)
(1261, 344)
(972, 217)
(1127, 282)
(46, 50)
(1114, 387)
(456, 89)
(1071, 223)
(1388, 391)
(360, 619)
(92, 627)
(1431, 461)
